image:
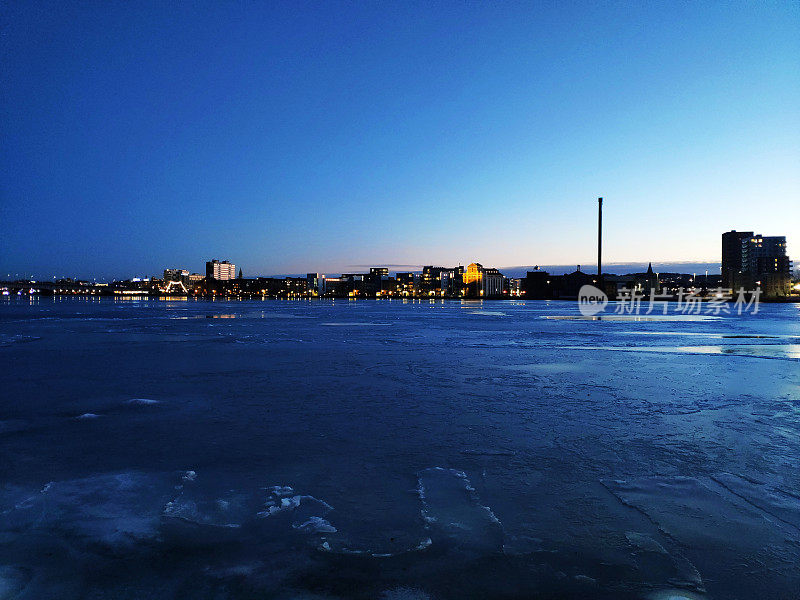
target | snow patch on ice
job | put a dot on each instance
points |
(213, 513)
(452, 510)
(143, 401)
(283, 498)
(105, 512)
(315, 525)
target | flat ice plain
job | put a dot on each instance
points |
(391, 449)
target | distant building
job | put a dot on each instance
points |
(452, 281)
(295, 287)
(333, 287)
(650, 283)
(732, 242)
(569, 284)
(492, 283)
(179, 275)
(379, 272)
(406, 284)
(220, 270)
(482, 282)
(762, 262)
(315, 284)
(541, 285)
(430, 282)
(537, 285)
(378, 281)
(473, 273)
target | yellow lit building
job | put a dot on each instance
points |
(473, 273)
(483, 283)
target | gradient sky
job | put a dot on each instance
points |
(294, 137)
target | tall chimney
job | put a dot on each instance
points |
(600, 242)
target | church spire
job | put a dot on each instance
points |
(650, 268)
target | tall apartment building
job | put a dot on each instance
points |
(220, 270)
(753, 260)
(732, 242)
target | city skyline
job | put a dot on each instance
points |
(749, 260)
(151, 135)
(699, 268)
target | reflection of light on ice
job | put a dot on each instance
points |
(778, 351)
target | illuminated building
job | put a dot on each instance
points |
(481, 282)
(220, 270)
(379, 272)
(473, 273)
(406, 284)
(452, 281)
(492, 283)
(430, 282)
(315, 284)
(762, 262)
(179, 275)
(378, 281)
(333, 287)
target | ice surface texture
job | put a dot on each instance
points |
(396, 449)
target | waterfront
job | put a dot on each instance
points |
(443, 449)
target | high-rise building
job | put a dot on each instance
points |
(761, 261)
(315, 284)
(220, 270)
(732, 256)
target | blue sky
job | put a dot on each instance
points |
(294, 137)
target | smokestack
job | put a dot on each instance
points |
(599, 241)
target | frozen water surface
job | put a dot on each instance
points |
(390, 449)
